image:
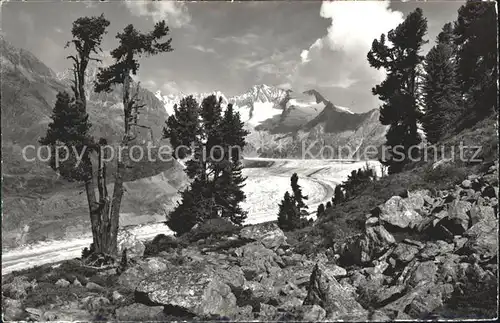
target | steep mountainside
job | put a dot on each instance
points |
(36, 203)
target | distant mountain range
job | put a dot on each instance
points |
(284, 123)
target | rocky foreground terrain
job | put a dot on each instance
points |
(423, 255)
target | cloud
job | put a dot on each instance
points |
(339, 58)
(203, 49)
(174, 13)
(241, 40)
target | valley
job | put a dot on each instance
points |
(268, 179)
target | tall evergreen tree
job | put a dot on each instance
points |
(183, 127)
(70, 127)
(441, 94)
(399, 92)
(338, 195)
(218, 137)
(292, 207)
(476, 40)
(132, 46)
(297, 192)
(320, 210)
(289, 213)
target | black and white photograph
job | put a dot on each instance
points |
(265, 161)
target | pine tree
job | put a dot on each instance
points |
(297, 192)
(183, 127)
(289, 214)
(399, 92)
(328, 205)
(441, 93)
(215, 164)
(132, 46)
(70, 127)
(476, 40)
(339, 195)
(321, 210)
(230, 193)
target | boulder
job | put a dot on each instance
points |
(424, 271)
(312, 313)
(362, 249)
(482, 213)
(131, 277)
(399, 212)
(404, 252)
(483, 235)
(422, 299)
(267, 312)
(457, 221)
(135, 247)
(195, 289)
(324, 290)
(63, 282)
(18, 288)
(433, 249)
(139, 312)
(94, 287)
(12, 309)
(257, 256)
(467, 184)
(270, 235)
(417, 199)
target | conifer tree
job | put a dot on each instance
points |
(441, 93)
(289, 214)
(215, 166)
(476, 40)
(132, 46)
(70, 128)
(183, 127)
(297, 192)
(328, 205)
(321, 210)
(339, 195)
(399, 92)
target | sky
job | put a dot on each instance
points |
(230, 47)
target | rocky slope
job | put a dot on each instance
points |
(288, 124)
(38, 205)
(221, 272)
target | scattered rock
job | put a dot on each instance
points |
(270, 235)
(94, 287)
(399, 212)
(194, 289)
(77, 283)
(404, 252)
(257, 256)
(63, 282)
(267, 312)
(94, 303)
(324, 290)
(313, 313)
(139, 312)
(117, 297)
(12, 309)
(466, 184)
(18, 288)
(135, 247)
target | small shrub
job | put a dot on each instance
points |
(161, 243)
(210, 228)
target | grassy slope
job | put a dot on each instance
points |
(347, 219)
